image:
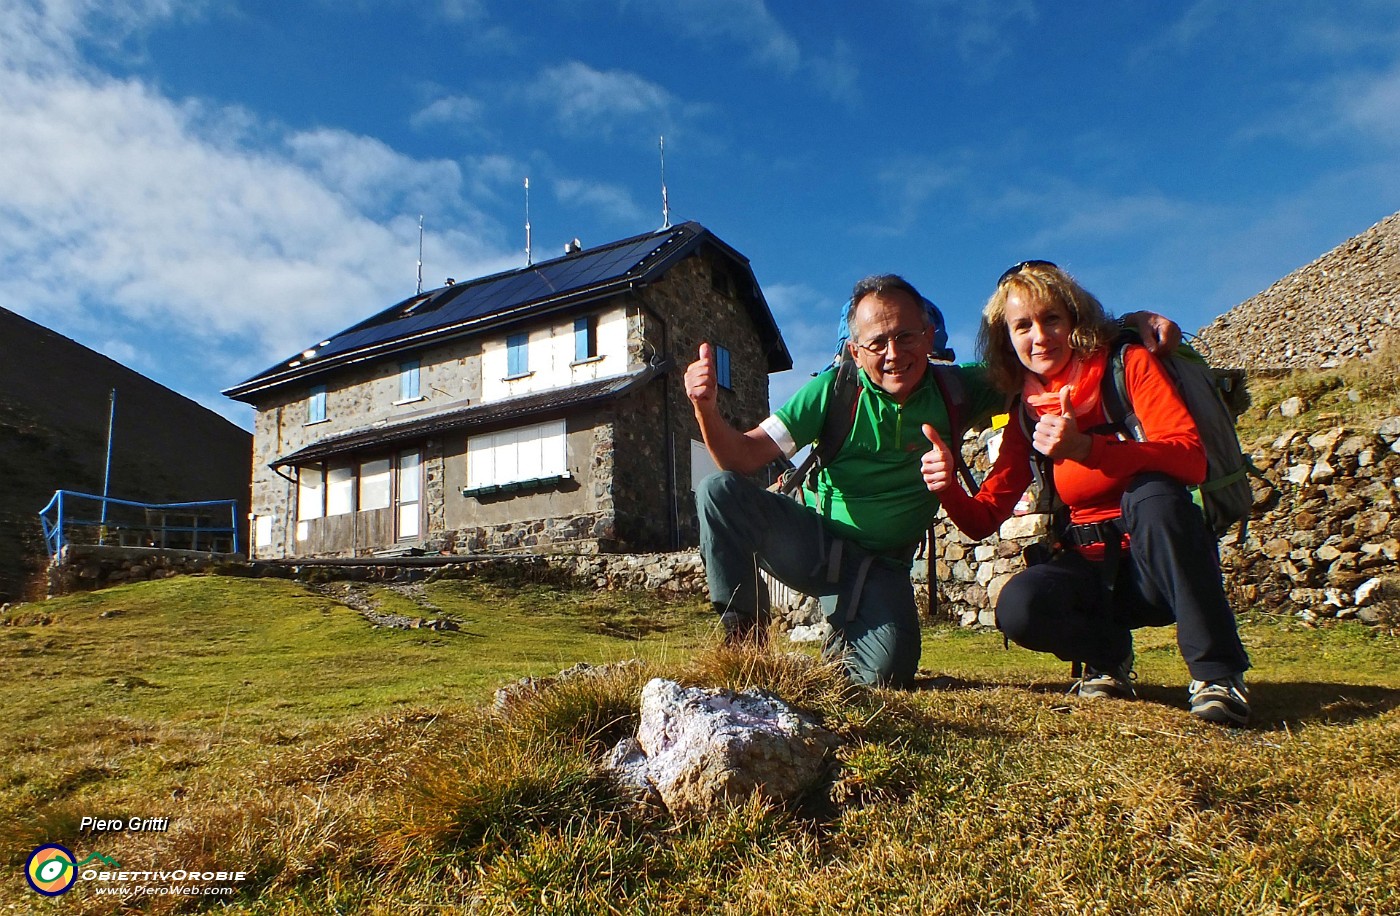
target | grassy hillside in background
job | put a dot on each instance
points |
(353, 769)
(1357, 394)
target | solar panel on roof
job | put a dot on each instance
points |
(468, 301)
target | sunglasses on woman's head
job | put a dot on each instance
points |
(1017, 268)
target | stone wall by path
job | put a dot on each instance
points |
(1344, 305)
(84, 568)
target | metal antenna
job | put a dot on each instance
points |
(420, 254)
(528, 260)
(665, 202)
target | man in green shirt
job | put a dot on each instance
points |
(852, 542)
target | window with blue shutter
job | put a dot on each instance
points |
(585, 338)
(316, 404)
(517, 355)
(408, 380)
(722, 367)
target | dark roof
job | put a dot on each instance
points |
(489, 302)
(475, 416)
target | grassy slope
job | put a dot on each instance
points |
(350, 769)
(1358, 394)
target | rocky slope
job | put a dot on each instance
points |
(1341, 306)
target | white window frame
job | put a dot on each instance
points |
(375, 484)
(523, 453)
(316, 405)
(340, 488)
(518, 355)
(311, 492)
(586, 339)
(408, 495)
(262, 533)
(410, 381)
(701, 464)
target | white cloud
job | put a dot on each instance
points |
(746, 23)
(39, 33)
(613, 202)
(451, 110)
(463, 10)
(907, 185)
(1371, 105)
(764, 41)
(837, 74)
(808, 321)
(585, 101)
(195, 243)
(977, 30)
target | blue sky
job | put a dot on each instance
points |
(199, 188)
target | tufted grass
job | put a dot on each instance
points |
(355, 770)
(1356, 393)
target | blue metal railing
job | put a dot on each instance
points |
(81, 518)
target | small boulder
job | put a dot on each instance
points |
(701, 750)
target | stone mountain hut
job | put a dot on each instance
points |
(540, 409)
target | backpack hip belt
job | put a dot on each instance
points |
(1109, 532)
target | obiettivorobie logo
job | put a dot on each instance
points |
(52, 869)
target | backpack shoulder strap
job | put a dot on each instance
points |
(950, 386)
(1117, 405)
(837, 422)
(1042, 470)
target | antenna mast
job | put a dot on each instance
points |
(528, 260)
(665, 203)
(420, 254)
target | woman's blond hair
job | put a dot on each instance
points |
(1042, 283)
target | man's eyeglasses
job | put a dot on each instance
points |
(877, 346)
(1017, 268)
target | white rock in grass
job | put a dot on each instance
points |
(706, 749)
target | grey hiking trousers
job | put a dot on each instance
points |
(867, 598)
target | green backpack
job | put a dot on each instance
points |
(1214, 398)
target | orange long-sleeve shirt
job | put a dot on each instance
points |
(1093, 488)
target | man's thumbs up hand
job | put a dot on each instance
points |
(937, 465)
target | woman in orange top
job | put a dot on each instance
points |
(1137, 551)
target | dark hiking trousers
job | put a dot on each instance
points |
(1171, 573)
(867, 598)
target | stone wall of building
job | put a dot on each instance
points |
(1344, 305)
(701, 301)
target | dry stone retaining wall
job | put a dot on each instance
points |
(1322, 543)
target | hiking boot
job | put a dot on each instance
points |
(1225, 701)
(1115, 683)
(742, 630)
